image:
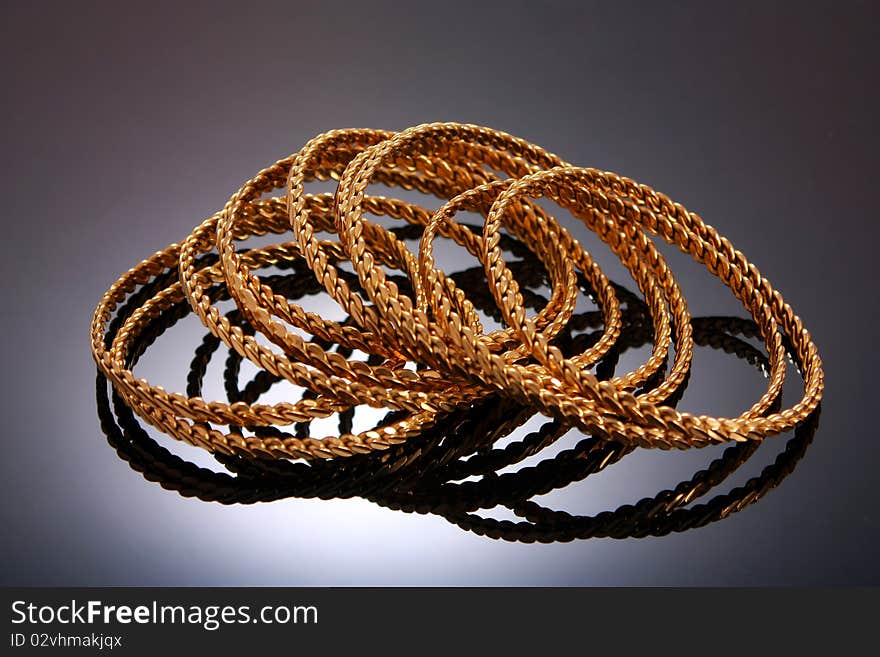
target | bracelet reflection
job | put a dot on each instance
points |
(453, 469)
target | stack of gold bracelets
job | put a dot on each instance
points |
(434, 325)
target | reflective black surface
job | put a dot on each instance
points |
(122, 131)
(452, 470)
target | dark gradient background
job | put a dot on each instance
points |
(125, 124)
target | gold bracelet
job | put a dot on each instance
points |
(436, 325)
(593, 405)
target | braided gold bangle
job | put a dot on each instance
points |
(430, 321)
(593, 405)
